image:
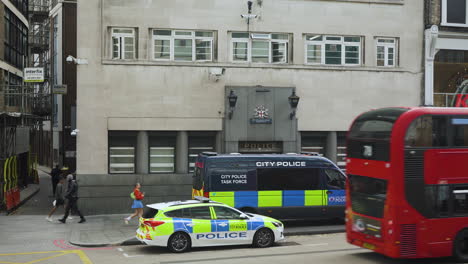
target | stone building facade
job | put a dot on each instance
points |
(159, 76)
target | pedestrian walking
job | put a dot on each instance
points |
(55, 177)
(72, 200)
(59, 198)
(137, 196)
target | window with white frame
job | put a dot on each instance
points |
(386, 52)
(333, 50)
(123, 43)
(455, 13)
(181, 45)
(259, 47)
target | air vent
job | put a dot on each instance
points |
(414, 164)
(408, 240)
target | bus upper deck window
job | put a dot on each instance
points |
(427, 131)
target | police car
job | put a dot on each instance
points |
(181, 225)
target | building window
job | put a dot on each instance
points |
(333, 50)
(122, 152)
(197, 144)
(16, 40)
(386, 52)
(162, 153)
(123, 43)
(178, 45)
(455, 13)
(259, 48)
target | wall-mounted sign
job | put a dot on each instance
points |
(59, 89)
(261, 116)
(33, 74)
(260, 147)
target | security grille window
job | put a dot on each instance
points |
(455, 13)
(341, 150)
(123, 43)
(162, 154)
(386, 50)
(259, 48)
(314, 142)
(333, 50)
(122, 152)
(177, 45)
(122, 159)
(199, 144)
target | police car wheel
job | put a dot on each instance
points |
(263, 238)
(179, 242)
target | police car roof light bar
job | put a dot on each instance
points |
(202, 199)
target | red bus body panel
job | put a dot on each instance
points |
(433, 237)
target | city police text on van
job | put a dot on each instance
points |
(280, 164)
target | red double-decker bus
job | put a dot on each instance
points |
(407, 186)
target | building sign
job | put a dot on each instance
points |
(33, 74)
(261, 116)
(260, 147)
(60, 89)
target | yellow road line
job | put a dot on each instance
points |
(83, 257)
(54, 256)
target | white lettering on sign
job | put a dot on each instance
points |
(280, 164)
(234, 178)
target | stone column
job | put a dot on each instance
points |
(332, 144)
(431, 36)
(142, 153)
(219, 142)
(182, 152)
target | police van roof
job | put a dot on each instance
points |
(311, 156)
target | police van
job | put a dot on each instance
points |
(283, 186)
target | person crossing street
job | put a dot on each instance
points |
(72, 198)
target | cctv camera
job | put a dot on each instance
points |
(74, 132)
(217, 71)
(70, 59)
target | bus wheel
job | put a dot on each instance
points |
(263, 238)
(179, 242)
(248, 210)
(460, 246)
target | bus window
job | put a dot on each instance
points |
(368, 195)
(460, 132)
(335, 180)
(288, 179)
(437, 197)
(460, 200)
(427, 131)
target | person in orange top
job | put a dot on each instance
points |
(137, 204)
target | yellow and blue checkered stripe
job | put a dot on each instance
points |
(255, 199)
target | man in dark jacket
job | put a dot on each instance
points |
(72, 198)
(55, 177)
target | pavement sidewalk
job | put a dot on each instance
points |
(107, 230)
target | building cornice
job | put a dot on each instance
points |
(257, 66)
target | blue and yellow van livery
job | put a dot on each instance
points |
(277, 185)
(183, 224)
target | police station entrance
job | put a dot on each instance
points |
(261, 147)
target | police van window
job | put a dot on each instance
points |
(335, 180)
(226, 213)
(201, 212)
(288, 179)
(197, 179)
(175, 213)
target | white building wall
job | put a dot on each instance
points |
(149, 95)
